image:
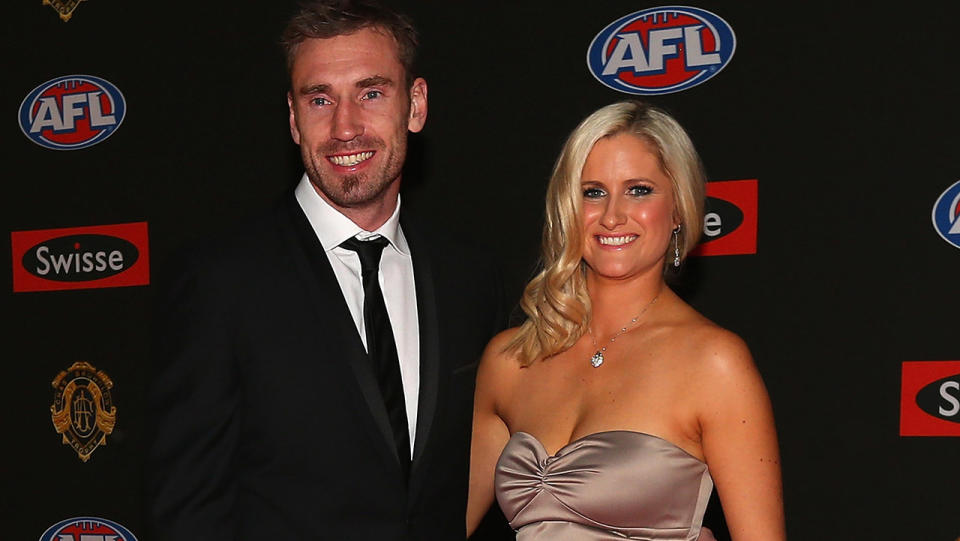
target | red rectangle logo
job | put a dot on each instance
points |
(730, 219)
(81, 257)
(930, 398)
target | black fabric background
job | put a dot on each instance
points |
(846, 115)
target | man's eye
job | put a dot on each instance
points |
(639, 190)
(372, 94)
(593, 193)
(320, 101)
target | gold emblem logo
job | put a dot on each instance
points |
(64, 7)
(82, 409)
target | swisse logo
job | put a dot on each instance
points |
(78, 258)
(930, 398)
(81, 257)
(661, 50)
(87, 529)
(946, 215)
(72, 112)
(730, 219)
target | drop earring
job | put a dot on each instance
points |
(676, 247)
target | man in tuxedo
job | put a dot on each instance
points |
(315, 366)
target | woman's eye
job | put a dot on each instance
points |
(593, 193)
(639, 190)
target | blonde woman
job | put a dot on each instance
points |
(614, 408)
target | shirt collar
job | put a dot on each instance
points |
(332, 227)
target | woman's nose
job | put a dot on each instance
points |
(613, 214)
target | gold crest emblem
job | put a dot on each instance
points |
(82, 409)
(64, 7)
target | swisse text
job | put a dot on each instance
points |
(79, 258)
(721, 218)
(953, 400)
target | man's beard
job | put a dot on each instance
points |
(356, 189)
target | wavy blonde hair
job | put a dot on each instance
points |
(556, 301)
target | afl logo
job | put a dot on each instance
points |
(87, 529)
(661, 50)
(72, 112)
(946, 215)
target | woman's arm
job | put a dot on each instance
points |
(740, 441)
(490, 433)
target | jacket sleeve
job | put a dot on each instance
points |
(192, 410)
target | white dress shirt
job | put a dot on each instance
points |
(396, 282)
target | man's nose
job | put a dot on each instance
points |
(347, 123)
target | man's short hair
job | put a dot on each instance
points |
(330, 18)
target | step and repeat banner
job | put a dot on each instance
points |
(831, 239)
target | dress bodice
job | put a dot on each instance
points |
(607, 485)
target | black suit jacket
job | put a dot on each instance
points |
(268, 422)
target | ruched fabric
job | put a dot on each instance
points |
(608, 485)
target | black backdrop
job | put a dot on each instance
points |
(845, 115)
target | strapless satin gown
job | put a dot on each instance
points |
(608, 485)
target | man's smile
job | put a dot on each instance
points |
(350, 160)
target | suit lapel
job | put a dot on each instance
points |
(429, 339)
(333, 317)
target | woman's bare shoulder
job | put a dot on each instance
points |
(716, 342)
(497, 373)
(721, 367)
(500, 340)
(498, 357)
(712, 349)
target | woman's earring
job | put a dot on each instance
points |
(676, 247)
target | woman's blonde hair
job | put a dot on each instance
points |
(556, 301)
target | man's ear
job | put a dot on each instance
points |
(294, 131)
(418, 105)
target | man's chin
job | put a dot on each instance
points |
(350, 190)
(353, 197)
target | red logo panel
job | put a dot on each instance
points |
(930, 398)
(81, 257)
(730, 219)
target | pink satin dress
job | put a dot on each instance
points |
(611, 485)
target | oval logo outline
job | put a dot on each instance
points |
(731, 217)
(946, 215)
(723, 36)
(101, 244)
(29, 106)
(51, 533)
(929, 398)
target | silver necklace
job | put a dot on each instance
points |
(597, 358)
